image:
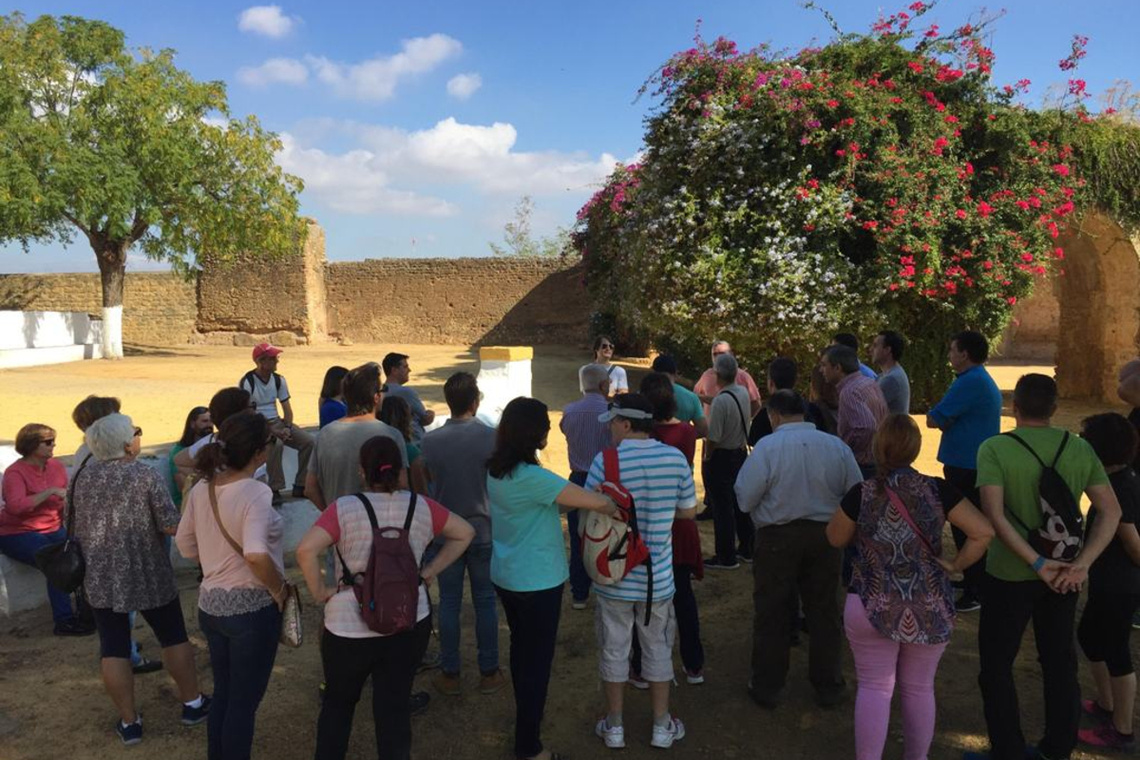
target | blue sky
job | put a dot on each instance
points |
(418, 126)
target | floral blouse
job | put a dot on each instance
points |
(121, 512)
(907, 594)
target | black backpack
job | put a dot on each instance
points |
(1063, 526)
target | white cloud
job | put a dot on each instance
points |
(463, 86)
(354, 182)
(376, 78)
(267, 20)
(274, 71)
(387, 169)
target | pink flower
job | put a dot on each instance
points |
(960, 213)
(1061, 169)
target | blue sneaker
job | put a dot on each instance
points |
(192, 716)
(131, 733)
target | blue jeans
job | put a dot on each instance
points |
(22, 547)
(579, 579)
(477, 561)
(242, 651)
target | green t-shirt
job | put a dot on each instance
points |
(688, 404)
(1004, 462)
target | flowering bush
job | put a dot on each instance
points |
(881, 181)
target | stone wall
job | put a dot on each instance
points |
(262, 297)
(1032, 331)
(474, 301)
(158, 308)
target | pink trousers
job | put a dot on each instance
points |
(879, 663)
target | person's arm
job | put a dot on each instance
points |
(428, 418)
(1103, 499)
(417, 476)
(264, 570)
(312, 545)
(702, 426)
(18, 500)
(993, 505)
(186, 538)
(840, 529)
(753, 398)
(162, 507)
(716, 423)
(313, 491)
(979, 532)
(952, 405)
(457, 535)
(752, 482)
(184, 460)
(1130, 540)
(573, 497)
(287, 418)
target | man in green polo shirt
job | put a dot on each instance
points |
(1021, 585)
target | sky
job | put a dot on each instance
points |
(418, 127)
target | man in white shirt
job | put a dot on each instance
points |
(267, 388)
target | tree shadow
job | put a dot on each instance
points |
(555, 311)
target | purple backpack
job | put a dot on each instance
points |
(388, 591)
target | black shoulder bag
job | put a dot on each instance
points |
(62, 563)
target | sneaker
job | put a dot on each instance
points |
(447, 684)
(664, 736)
(430, 661)
(713, 563)
(747, 558)
(613, 736)
(492, 682)
(73, 627)
(694, 677)
(578, 604)
(192, 716)
(1092, 708)
(636, 681)
(1107, 737)
(418, 702)
(131, 733)
(298, 492)
(146, 666)
(967, 603)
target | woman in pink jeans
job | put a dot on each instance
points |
(900, 605)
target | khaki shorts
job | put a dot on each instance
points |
(615, 621)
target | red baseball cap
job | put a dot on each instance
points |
(265, 349)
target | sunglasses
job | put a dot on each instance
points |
(604, 346)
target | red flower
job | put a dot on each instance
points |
(832, 103)
(870, 225)
(1012, 300)
(984, 209)
(1061, 169)
(1059, 253)
(915, 66)
(960, 213)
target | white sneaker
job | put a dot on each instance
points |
(638, 682)
(664, 736)
(695, 676)
(613, 736)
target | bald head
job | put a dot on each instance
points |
(1129, 385)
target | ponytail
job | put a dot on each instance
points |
(381, 462)
(234, 446)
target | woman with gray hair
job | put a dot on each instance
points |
(123, 513)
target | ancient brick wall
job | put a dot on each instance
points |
(1033, 328)
(158, 308)
(472, 300)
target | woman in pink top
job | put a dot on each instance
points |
(240, 600)
(31, 517)
(350, 650)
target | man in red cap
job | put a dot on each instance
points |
(266, 388)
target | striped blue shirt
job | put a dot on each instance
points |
(661, 482)
(585, 436)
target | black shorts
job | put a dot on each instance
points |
(115, 628)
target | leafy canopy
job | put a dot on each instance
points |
(127, 148)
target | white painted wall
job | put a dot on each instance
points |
(48, 329)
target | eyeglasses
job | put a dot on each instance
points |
(604, 346)
(138, 432)
(48, 442)
(719, 353)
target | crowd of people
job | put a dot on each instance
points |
(818, 494)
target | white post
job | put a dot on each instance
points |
(113, 332)
(504, 374)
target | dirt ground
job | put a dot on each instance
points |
(52, 702)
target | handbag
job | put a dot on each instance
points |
(62, 563)
(291, 634)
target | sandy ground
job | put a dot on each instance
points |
(52, 703)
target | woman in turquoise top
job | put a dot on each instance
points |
(528, 559)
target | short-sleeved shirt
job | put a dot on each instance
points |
(968, 414)
(331, 410)
(229, 586)
(336, 455)
(706, 386)
(122, 511)
(528, 553)
(728, 416)
(266, 395)
(619, 381)
(1004, 462)
(22, 481)
(1114, 572)
(689, 407)
(419, 411)
(456, 456)
(661, 482)
(895, 386)
(346, 520)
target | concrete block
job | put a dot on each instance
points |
(504, 374)
(21, 587)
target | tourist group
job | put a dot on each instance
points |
(818, 495)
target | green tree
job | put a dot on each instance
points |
(519, 241)
(129, 150)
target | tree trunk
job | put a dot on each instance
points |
(112, 258)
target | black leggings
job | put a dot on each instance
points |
(1105, 627)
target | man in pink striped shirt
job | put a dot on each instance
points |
(861, 403)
